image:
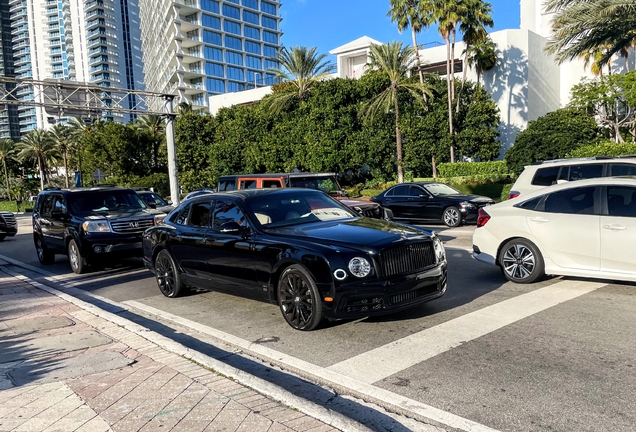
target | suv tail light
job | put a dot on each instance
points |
(513, 194)
(482, 217)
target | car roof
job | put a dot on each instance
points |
(267, 175)
(584, 161)
(244, 194)
(87, 189)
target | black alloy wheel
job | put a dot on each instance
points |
(45, 256)
(299, 299)
(75, 258)
(168, 277)
(452, 217)
(521, 261)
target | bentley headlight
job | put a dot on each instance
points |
(440, 253)
(359, 267)
(96, 226)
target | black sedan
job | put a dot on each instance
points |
(298, 248)
(431, 202)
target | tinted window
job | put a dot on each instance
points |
(226, 211)
(105, 201)
(621, 201)
(571, 201)
(59, 204)
(248, 184)
(271, 183)
(47, 205)
(226, 185)
(623, 170)
(200, 214)
(401, 190)
(152, 198)
(530, 204)
(545, 176)
(582, 172)
(415, 191)
(181, 217)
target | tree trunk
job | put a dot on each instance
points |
(417, 56)
(434, 165)
(41, 173)
(450, 100)
(6, 177)
(461, 89)
(398, 142)
(65, 169)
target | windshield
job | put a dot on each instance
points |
(153, 198)
(281, 210)
(439, 189)
(327, 183)
(104, 201)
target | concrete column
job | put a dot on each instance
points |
(172, 152)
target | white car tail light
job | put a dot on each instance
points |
(482, 218)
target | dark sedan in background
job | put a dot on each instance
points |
(431, 202)
(298, 248)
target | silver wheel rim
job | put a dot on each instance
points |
(451, 217)
(73, 257)
(519, 262)
(40, 250)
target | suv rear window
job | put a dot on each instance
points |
(546, 176)
(623, 170)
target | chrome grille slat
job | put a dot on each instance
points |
(9, 218)
(407, 258)
(411, 295)
(125, 227)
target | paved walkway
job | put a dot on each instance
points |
(65, 369)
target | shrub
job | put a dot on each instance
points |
(473, 169)
(505, 191)
(158, 181)
(552, 136)
(16, 206)
(604, 148)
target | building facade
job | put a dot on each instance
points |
(9, 120)
(198, 48)
(88, 41)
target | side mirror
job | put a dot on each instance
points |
(152, 205)
(230, 228)
(424, 196)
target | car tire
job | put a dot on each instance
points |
(75, 258)
(452, 217)
(387, 214)
(167, 275)
(299, 299)
(2, 237)
(45, 256)
(521, 262)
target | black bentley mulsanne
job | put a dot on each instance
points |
(299, 248)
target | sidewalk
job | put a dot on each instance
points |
(65, 369)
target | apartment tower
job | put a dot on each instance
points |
(198, 48)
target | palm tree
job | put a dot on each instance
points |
(482, 56)
(184, 107)
(396, 63)
(61, 136)
(582, 27)
(473, 28)
(7, 152)
(301, 68)
(449, 13)
(154, 127)
(38, 146)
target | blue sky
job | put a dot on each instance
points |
(328, 24)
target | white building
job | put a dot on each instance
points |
(526, 82)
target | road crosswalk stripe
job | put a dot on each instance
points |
(389, 359)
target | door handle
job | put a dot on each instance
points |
(540, 219)
(614, 227)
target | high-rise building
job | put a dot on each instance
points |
(9, 123)
(89, 41)
(198, 48)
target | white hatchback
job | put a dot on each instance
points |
(585, 228)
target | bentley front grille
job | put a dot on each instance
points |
(407, 258)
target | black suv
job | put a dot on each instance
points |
(90, 225)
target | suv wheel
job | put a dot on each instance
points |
(75, 258)
(45, 256)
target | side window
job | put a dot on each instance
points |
(227, 211)
(571, 201)
(271, 184)
(47, 205)
(587, 171)
(546, 176)
(531, 204)
(621, 201)
(181, 217)
(415, 191)
(226, 185)
(59, 204)
(200, 214)
(247, 184)
(623, 170)
(401, 191)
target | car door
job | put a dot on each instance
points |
(618, 230)
(418, 205)
(397, 200)
(58, 222)
(567, 227)
(47, 224)
(187, 243)
(229, 252)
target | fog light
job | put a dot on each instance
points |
(97, 249)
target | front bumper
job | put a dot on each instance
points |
(111, 247)
(8, 230)
(361, 299)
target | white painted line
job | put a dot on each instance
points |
(326, 375)
(401, 354)
(107, 277)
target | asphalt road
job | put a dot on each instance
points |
(553, 356)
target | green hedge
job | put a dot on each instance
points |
(462, 169)
(505, 191)
(15, 206)
(605, 148)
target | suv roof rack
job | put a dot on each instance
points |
(140, 188)
(592, 158)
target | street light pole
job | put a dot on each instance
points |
(172, 151)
